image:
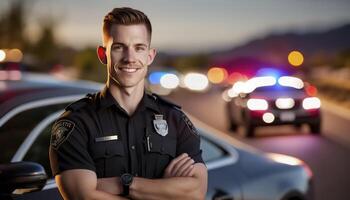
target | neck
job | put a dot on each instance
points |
(128, 98)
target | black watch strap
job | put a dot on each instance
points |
(125, 190)
(126, 180)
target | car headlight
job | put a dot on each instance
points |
(290, 160)
(257, 104)
(311, 103)
(285, 103)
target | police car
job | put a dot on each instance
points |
(30, 103)
(269, 101)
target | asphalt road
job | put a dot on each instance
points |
(327, 154)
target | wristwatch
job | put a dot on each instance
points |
(126, 180)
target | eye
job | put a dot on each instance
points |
(140, 48)
(117, 47)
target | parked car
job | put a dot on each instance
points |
(270, 101)
(29, 106)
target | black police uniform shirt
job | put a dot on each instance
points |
(95, 133)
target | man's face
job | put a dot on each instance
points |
(128, 54)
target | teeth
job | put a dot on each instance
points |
(130, 70)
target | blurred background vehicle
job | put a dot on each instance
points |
(269, 101)
(30, 104)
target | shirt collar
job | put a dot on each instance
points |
(107, 100)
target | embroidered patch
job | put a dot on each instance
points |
(60, 132)
(190, 125)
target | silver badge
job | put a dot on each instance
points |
(160, 125)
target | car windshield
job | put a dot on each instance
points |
(277, 88)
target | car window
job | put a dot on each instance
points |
(39, 150)
(16, 129)
(210, 150)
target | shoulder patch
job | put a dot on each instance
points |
(164, 101)
(189, 124)
(60, 132)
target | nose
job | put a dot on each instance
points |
(129, 56)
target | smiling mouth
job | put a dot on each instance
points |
(129, 70)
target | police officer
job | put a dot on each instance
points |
(123, 142)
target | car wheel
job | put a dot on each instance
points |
(315, 128)
(249, 131)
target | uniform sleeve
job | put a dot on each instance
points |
(188, 139)
(69, 147)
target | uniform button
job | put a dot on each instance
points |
(133, 147)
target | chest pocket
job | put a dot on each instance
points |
(161, 150)
(109, 158)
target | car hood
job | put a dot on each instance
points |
(256, 164)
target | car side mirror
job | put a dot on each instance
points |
(29, 176)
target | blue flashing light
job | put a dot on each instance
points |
(269, 72)
(154, 77)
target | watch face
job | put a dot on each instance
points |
(126, 179)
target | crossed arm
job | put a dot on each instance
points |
(182, 180)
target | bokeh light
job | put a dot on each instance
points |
(234, 77)
(217, 75)
(268, 117)
(311, 103)
(169, 81)
(290, 81)
(311, 90)
(285, 103)
(196, 81)
(295, 58)
(154, 77)
(2, 55)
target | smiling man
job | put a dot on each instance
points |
(122, 142)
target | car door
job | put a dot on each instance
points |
(25, 136)
(224, 174)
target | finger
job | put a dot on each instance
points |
(179, 165)
(189, 172)
(184, 167)
(171, 165)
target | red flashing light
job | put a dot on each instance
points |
(311, 90)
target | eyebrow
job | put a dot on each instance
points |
(122, 44)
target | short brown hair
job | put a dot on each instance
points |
(125, 16)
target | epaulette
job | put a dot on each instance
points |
(80, 103)
(164, 101)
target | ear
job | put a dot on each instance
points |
(101, 53)
(151, 55)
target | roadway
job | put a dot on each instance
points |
(327, 154)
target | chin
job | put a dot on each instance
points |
(129, 84)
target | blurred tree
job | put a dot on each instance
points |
(46, 49)
(320, 58)
(12, 26)
(89, 66)
(192, 62)
(343, 59)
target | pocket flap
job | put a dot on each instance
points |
(162, 145)
(107, 149)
